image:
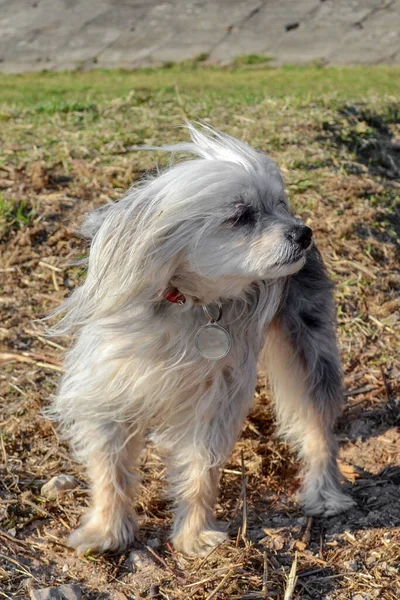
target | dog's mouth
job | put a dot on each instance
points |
(293, 259)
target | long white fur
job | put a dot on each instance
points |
(134, 367)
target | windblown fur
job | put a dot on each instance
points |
(219, 229)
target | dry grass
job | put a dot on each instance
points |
(341, 163)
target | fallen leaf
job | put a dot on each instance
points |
(348, 471)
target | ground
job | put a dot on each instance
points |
(67, 144)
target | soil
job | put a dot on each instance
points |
(354, 555)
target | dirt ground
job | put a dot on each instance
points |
(351, 556)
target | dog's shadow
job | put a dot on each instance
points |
(327, 547)
(277, 524)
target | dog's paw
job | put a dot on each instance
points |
(198, 544)
(95, 537)
(325, 503)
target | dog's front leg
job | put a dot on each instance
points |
(195, 488)
(203, 444)
(112, 459)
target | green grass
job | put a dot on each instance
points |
(90, 110)
(251, 59)
(15, 214)
(313, 120)
(51, 92)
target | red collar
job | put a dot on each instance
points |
(172, 294)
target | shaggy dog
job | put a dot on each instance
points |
(189, 276)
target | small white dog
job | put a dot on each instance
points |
(188, 276)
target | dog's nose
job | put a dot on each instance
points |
(300, 234)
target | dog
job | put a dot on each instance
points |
(192, 277)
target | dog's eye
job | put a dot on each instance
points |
(245, 216)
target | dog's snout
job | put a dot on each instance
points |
(300, 234)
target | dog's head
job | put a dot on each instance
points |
(211, 225)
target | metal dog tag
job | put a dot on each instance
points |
(212, 340)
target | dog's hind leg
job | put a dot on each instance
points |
(307, 423)
(112, 461)
(304, 370)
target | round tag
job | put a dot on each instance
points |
(213, 341)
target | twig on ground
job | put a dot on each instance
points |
(165, 565)
(306, 537)
(220, 585)
(265, 575)
(18, 389)
(254, 596)
(244, 496)
(55, 282)
(354, 404)
(51, 267)
(21, 568)
(385, 383)
(214, 574)
(208, 555)
(4, 451)
(44, 340)
(11, 538)
(361, 390)
(35, 359)
(119, 565)
(292, 580)
(44, 358)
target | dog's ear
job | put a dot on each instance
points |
(93, 221)
(131, 260)
(131, 254)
